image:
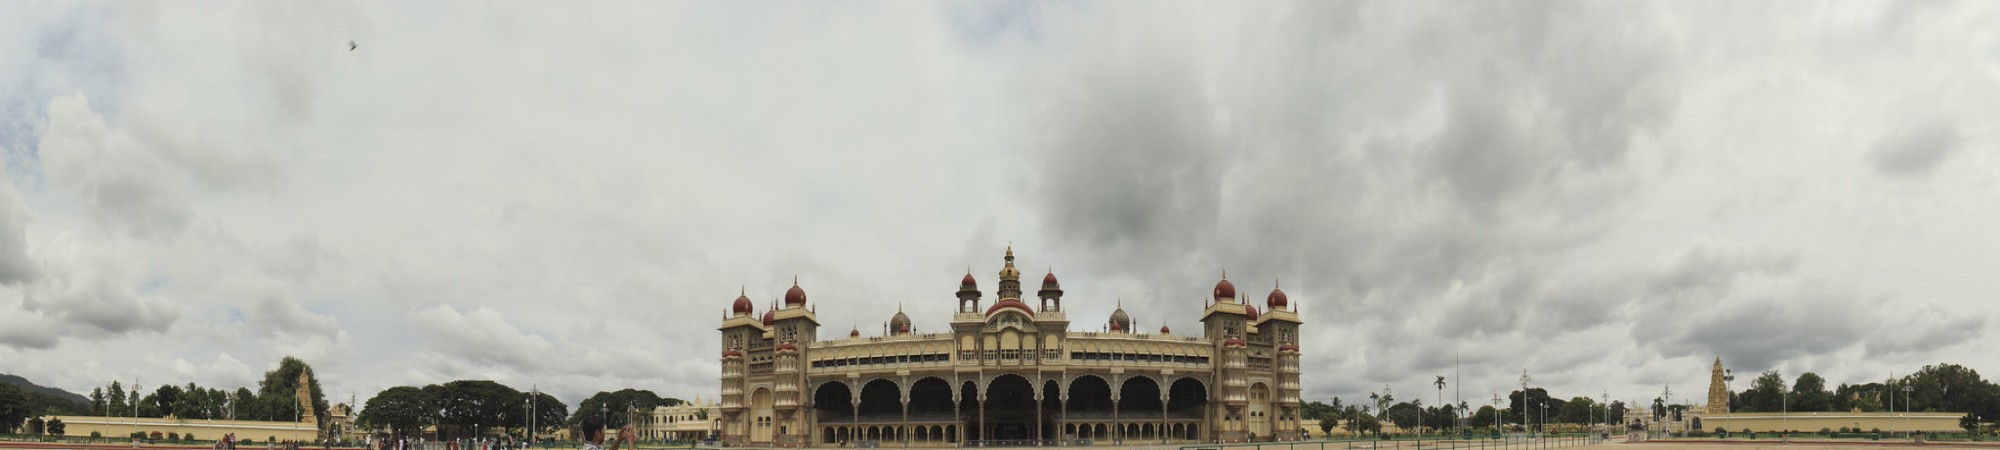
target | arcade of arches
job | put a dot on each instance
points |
(1010, 409)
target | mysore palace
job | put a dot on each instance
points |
(1010, 373)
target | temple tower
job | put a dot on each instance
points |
(1718, 391)
(305, 399)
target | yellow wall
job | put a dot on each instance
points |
(1813, 421)
(207, 430)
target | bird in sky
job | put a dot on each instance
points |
(351, 46)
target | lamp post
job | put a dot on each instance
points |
(1524, 399)
(1497, 421)
(1728, 403)
(1906, 408)
(1607, 412)
(1667, 393)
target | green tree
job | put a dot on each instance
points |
(13, 408)
(612, 406)
(1809, 393)
(1577, 410)
(475, 404)
(57, 427)
(1404, 415)
(279, 391)
(163, 398)
(550, 412)
(116, 394)
(1766, 393)
(1618, 411)
(97, 401)
(403, 410)
(1530, 411)
(1483, 417)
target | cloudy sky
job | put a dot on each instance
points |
(1604, 195)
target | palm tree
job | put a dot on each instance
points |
(1440, 385)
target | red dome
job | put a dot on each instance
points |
(1288, 348)
(785, 347)
(732, 353)
(1223, 289)
(795, 296)
(1010, 303)
(904, 330)
(1116, 327)
(770, 316)
(855, 333)
(1233, 342)
(1164, 330)
(1250, 311)
(968, 282)
(1049, 280)
(1276, 300)
(742, 305)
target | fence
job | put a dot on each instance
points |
(1509, 442)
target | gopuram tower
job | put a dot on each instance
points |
(1718, 391)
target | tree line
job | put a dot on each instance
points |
(467, 408)
(1531, 407)
(274, 400)
(1935, 388)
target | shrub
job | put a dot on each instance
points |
(1875, 430)
(173, 436)
(189, 436)
(96, 435)
(1746, 430)
(157, 435)
(1825, 430)
(1846, 430)
(138, 435)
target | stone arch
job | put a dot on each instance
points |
(1140, 393)
(880, 397)
(1187, 397)
(930, 396)
(1089, 397)
(833, 401)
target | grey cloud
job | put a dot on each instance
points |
(80, 290)
(1915, 151)
(123, 187)
(15, 265)
(275, 313)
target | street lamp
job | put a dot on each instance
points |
(1607, 412)
(1728, 401)
(1497, 421)
(1667, 393)
(1906, 407)
(1524, 399)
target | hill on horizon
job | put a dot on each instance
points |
(82, 403)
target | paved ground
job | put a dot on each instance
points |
(1794, 445)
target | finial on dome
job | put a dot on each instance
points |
(1225, 274)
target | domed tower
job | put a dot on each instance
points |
(899, 324)
(1119, 320)
(1051, 292)
(1010, 278)
(968, 294)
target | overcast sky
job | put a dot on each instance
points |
(1606, 195)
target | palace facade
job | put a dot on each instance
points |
(1011, 373)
